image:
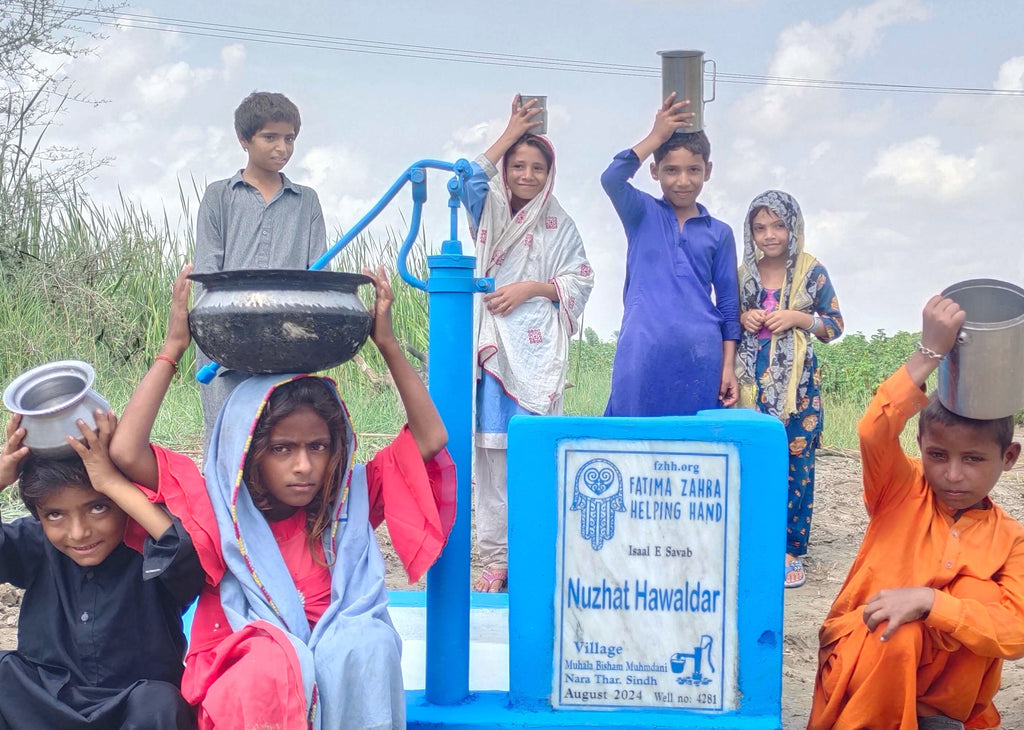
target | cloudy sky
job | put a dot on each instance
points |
(903, 193)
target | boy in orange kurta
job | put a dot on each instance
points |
(935, 599)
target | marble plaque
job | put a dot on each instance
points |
(646, 575)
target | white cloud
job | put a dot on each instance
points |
(807, 50)
(170, 84)
(819, 150)
(325, 165)
(819, 51)
(470, 141)
(919, 168)
(343, 181)
(232, 60)
(1011, 75)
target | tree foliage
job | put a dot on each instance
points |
(37, 37)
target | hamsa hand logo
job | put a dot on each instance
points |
(597, 496)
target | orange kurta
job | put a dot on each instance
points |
(950, 662)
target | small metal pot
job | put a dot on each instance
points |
(983, 376)
(280, 320)
(50, 399)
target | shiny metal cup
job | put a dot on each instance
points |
(542, 104)
(50, 399)
(683, 73)
(983, 375)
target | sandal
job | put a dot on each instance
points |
(492, 580)
(795, 567)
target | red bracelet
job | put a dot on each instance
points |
(166, 358)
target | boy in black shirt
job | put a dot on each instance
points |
(100, 642)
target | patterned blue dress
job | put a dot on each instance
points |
(803, 430)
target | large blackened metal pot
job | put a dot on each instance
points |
(280, 320)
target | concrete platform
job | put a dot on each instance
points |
(488, 637)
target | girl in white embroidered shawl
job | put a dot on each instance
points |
(542, 281)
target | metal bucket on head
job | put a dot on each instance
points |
(683, 73)
(983, 375)
(51, 398)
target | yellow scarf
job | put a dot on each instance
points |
(796, 299)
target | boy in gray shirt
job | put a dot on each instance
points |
(257, 219)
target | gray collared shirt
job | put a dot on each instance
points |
(237, 229)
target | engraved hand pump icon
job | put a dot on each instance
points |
(698, 655)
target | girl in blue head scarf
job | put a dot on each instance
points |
(292, 629)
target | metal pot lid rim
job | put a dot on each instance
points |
(991, 284)
(281, 278)
(79, 368)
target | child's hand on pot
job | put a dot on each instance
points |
(178, 335)
(94, 449)
(382, 331)
(524, 118)
(941, 321)
(13, 453)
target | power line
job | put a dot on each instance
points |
(456, 55)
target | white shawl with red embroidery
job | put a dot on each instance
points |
(528, 349)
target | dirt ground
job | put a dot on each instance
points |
(839, 522)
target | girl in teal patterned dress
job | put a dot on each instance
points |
(786, 297)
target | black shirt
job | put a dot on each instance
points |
(109, 625)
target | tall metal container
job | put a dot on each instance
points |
(540, 102)
(683, 73)
(983, 375)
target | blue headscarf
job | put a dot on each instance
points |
(351, 658)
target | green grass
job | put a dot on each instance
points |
(841, 417)
(590, 372)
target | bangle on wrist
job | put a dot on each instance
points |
(168, 358)
(815, 321)
(929, 353)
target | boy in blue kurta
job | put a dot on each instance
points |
(677, 344)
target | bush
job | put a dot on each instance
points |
(853, 367)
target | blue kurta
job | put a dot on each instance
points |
(668, 360)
